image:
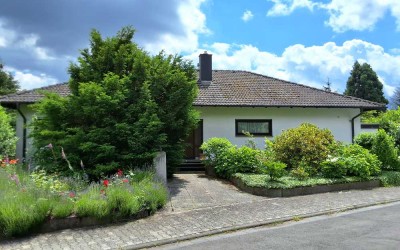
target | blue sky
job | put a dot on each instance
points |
(304, 41)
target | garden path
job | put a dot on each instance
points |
(197, 191)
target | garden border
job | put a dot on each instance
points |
(55, 224)
(297, 191)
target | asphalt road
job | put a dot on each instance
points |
(369, 228)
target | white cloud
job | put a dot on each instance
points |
(359, 14)
(7, 36)
(344, 15)
(28, 80)
(194, 22)
(29, 42)
(247, 16)
(286, 7)
(308, 65)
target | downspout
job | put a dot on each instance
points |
(352, 125)
(23, 132)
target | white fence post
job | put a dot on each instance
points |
(160, 163)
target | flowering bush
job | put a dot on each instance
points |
(352, 160)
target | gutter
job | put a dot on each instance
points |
(23, 132)
(352, 125)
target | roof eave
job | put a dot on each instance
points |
(365, 108)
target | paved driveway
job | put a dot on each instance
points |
(196, 191)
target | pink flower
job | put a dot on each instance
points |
(105, 183)
(71, 195)
(125, 180)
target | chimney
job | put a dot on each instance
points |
(205, 69)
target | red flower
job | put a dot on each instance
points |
(105, 183)
(125, 180)
(71, 195)
(119, 173)
(14, 161)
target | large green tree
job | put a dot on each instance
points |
(125, 106)
(7, 83)
(364, 83)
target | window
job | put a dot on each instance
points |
(254, 127)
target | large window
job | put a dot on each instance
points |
(254, 127)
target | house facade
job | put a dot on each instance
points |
(233, 101)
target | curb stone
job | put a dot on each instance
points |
(258, 224)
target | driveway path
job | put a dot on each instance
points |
(198, 209)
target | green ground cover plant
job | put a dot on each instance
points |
(287, 182)
(27, 200)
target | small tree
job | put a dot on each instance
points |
(7, 135)
(7, 83)
(364, 83)
(125, 106)
(383, 146)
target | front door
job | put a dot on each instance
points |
(193, 142)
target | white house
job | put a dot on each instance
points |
(232, 101)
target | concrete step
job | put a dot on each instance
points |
(191, 166)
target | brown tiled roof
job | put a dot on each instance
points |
(32, 96)
(242, 88)
(239, 88)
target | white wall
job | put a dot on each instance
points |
(220, 121)
(28, 113)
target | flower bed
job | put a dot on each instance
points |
(287, 186)
(41, 202)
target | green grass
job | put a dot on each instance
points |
(287, 182)
(26, 203)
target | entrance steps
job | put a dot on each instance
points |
(191, 166)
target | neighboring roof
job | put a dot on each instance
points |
(241, 89)
(34, 95)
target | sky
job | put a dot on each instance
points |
(304, 41)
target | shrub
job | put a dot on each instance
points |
(360, 162)
(274, 169)
(365, 140)
(238, 160)
(7, 135)
(306, 143)
(334, 167)
(301, 172)
(213, 149)
(390, 178)
(383, 147)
